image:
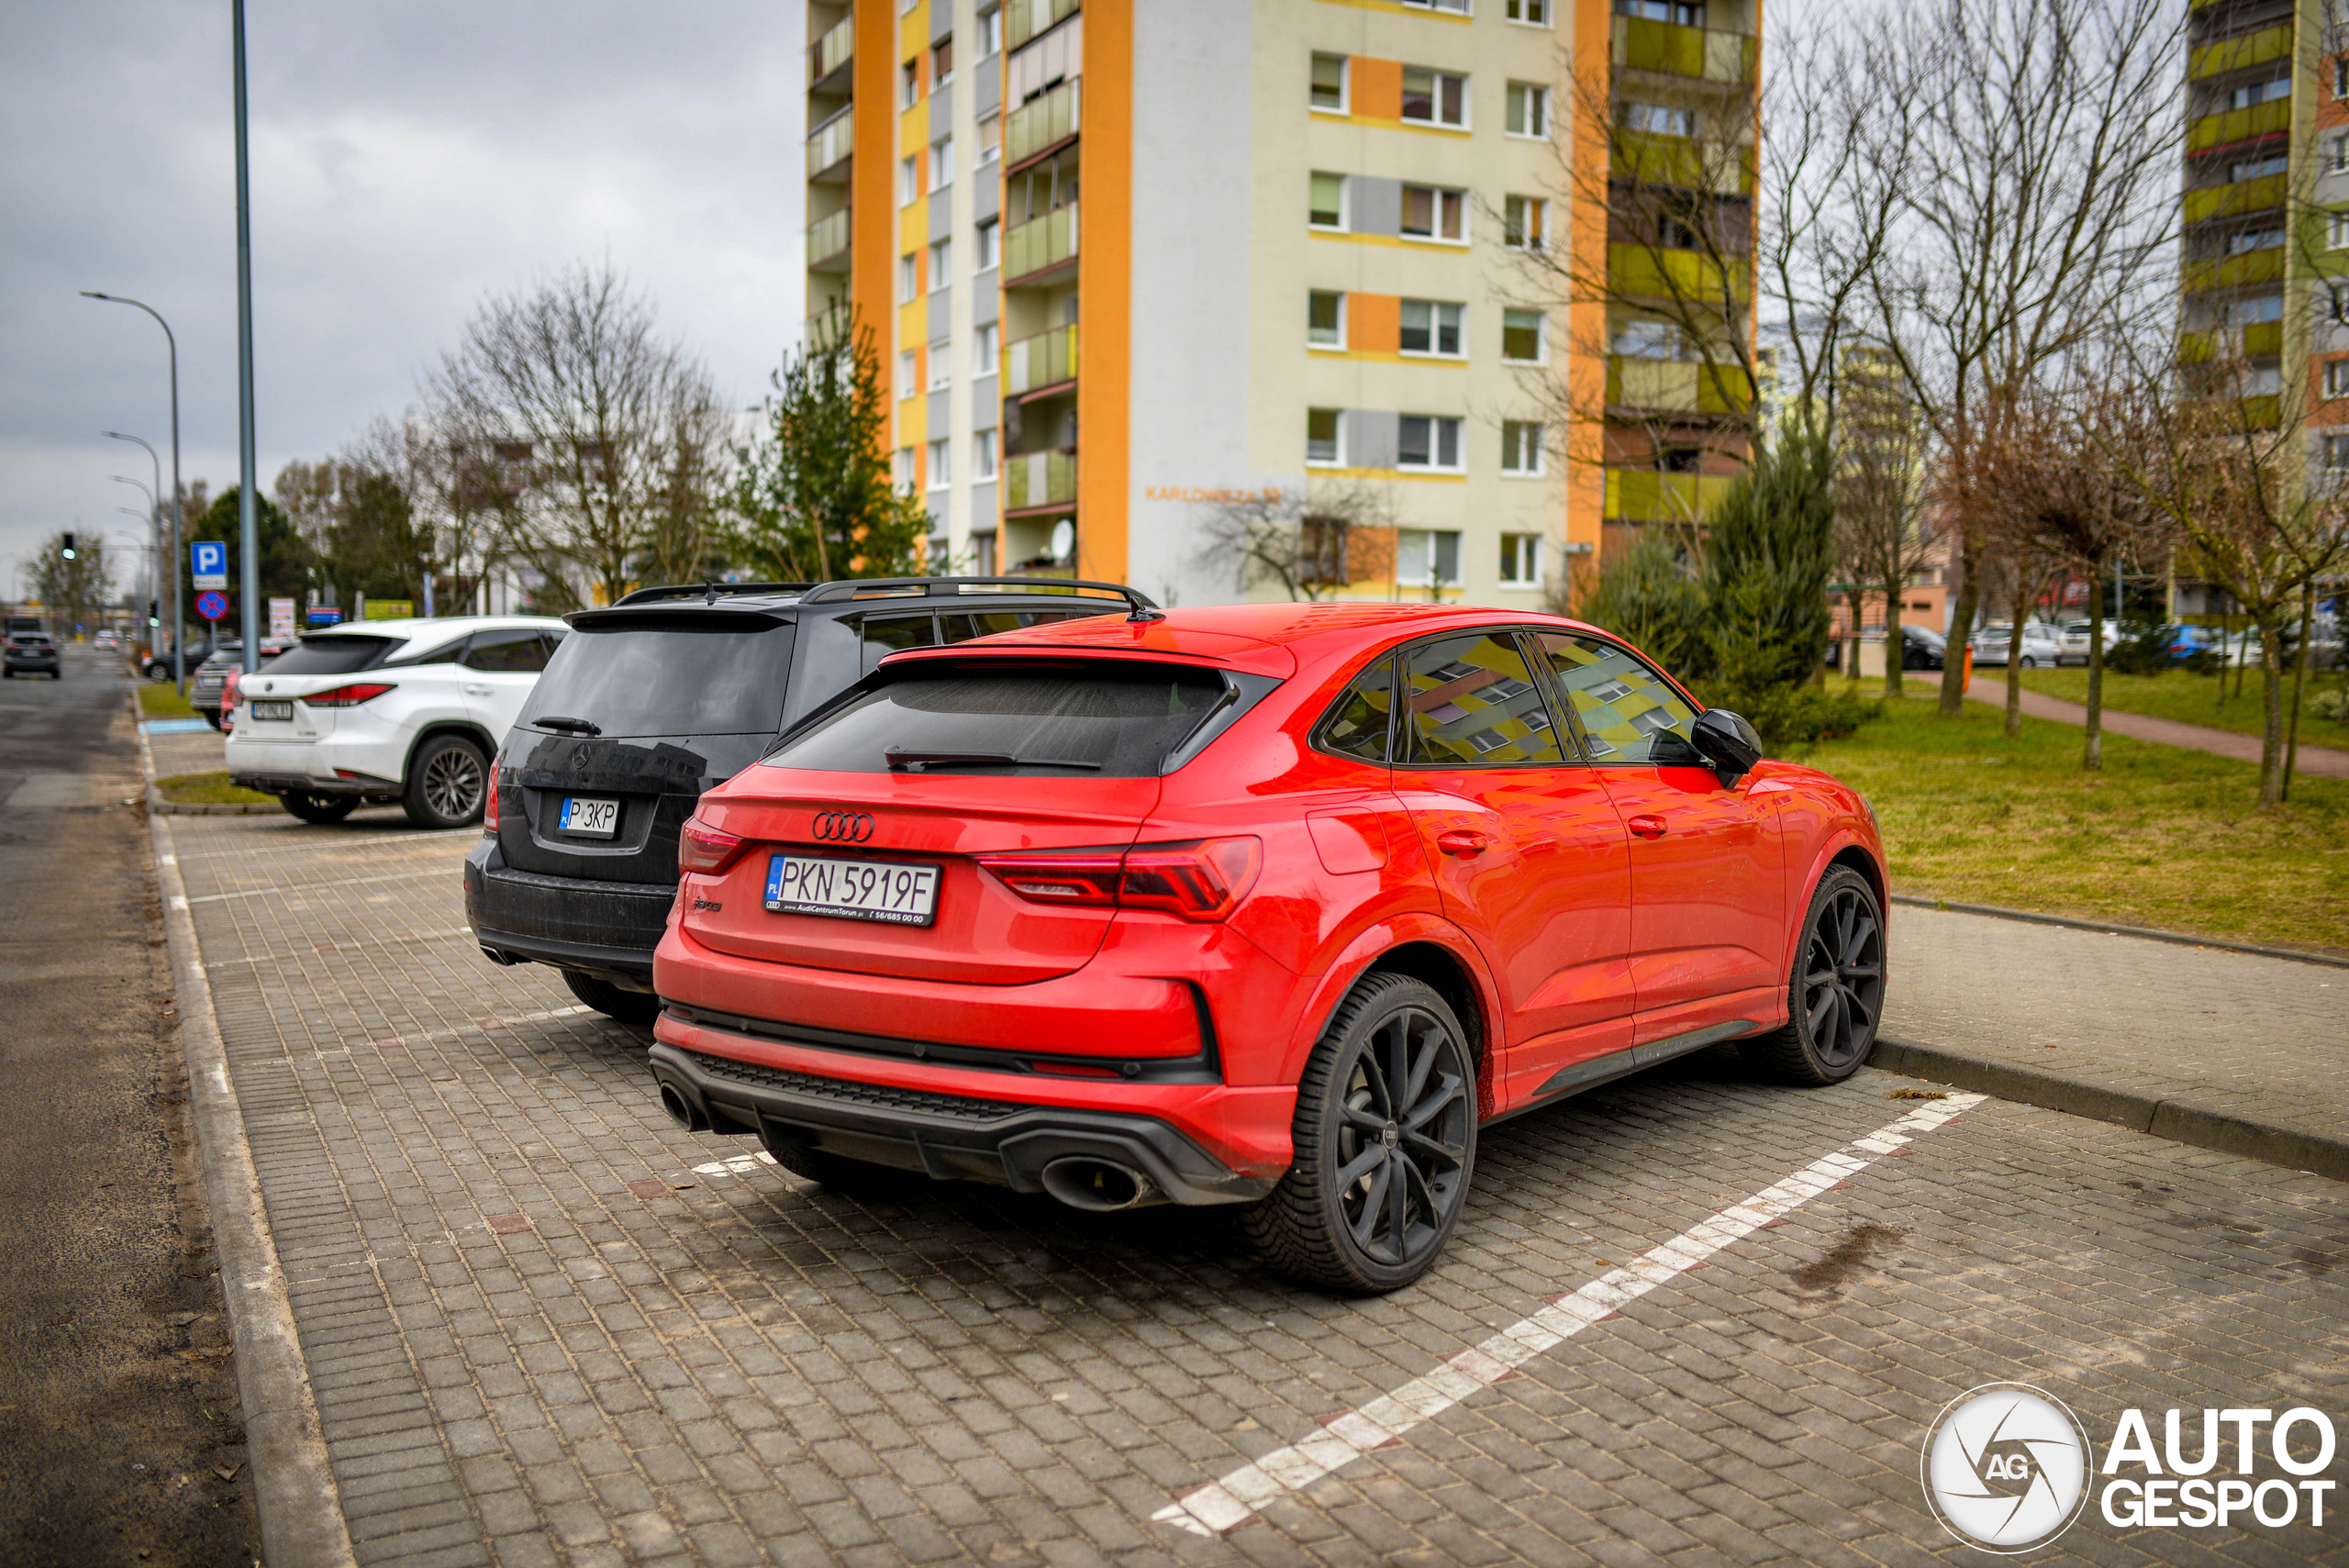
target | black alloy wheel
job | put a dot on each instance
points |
(1836, 996)
(640, 1007)
(448, 781)
(321, 809)
(1385, 1145)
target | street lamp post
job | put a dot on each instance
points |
(248, 502)
(179, 618)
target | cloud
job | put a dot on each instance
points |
(406, 160)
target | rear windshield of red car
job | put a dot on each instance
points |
(1082, 719)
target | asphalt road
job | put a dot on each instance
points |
(117, 1399)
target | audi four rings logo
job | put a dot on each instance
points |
(844, 827)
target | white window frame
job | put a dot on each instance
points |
(988, 238)
(2336, 452)
(1344, 105)
(1459, 199)
(908, 277)
(1541, 336)
(1440, 426)
(1538, 207)
(1337, 458)
(990, 33)
(2337, 229)
(942, 263)
(1456, 8)
(1683, 120)
(1519, 437)
(1427, 572)
(1527, 13)
(986, 350)
(909, 81)
(991, 138)
(1435, 99)
(941, 365)
(1528, 556)
(941, 163)
(1345, 202)
(909, 180)
(909, 374)
(2337, 302)
(1537, 97)
(982, 454)
(905, 457)
(937, 80)
(1337, 343)
(2336, 378)
(938, 463)
(1436, 309)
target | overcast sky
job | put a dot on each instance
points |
(409, 156)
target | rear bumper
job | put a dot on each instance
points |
(1197, 1144)
(281, 783)
(608, 929)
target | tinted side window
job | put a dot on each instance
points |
(518, 649)
(884, 634)
(1629, 713)
(1472, 701)
(1356, 723)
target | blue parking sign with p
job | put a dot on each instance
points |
(209, 560)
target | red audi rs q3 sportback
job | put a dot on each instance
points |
(1268, 904)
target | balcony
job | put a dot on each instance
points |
(1699, 54)
(2271, 119)
(2235, 272)
(1040, 244)
(1642, 495)
(1039, 125)
(2267, 45)
(827, 243)
(831, 52)
(1676, 387)
(2235, 200)
(1658, 274)
(1023, 20)
(829, 146)
(1682, 164)
(1048, 359)
(1040, 481)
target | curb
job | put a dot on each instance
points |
(293, 1485)
(2292, 1147)
(158, 806)
(2298, 955)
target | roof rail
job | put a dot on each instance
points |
(708, 589)
(949, 588)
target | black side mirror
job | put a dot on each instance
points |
(1728, 742)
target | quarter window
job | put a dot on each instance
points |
(1356, 724)
(1472, 703)
(1629, 713)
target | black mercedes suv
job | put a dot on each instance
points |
(668, 693)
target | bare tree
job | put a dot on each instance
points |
(567, 416)
(2035, 196)
(1307, 544)
(1884, 528)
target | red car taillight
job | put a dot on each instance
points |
(229, 690)
(708, 850)
(1203, 879)
(347, 696)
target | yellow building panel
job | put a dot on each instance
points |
(2233, 54)
(2238, 124)
(2235, 200)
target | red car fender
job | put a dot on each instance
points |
(1841, 832)
(1369, 945)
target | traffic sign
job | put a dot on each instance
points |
(209, 560)
(212, 603)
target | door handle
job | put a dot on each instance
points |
(1647, 827)
(1463, 841)
(477, 690)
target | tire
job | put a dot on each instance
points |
(1360, 1233)
(626, 1006)
(447, 782)
(320, 809)
(2029, 662)
(1835, 994)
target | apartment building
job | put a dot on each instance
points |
(2265, 221)
(1134, 262)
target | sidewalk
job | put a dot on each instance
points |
(1990, 686)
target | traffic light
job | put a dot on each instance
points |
(154, 613)
(68, 551)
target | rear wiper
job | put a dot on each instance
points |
(922, 761)
(554, 721)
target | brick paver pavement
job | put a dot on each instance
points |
(540, 1335)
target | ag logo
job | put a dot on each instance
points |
(2006, 1467)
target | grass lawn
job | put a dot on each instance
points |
(2185, 697)
(158, 700)
(2164, 837)
(209, 789)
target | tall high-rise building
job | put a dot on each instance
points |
(1141, 269)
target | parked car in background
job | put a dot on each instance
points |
(30, 653)
(389, 711)
(1259, 904)
(2187, 641)
(661, 697)
(158, 662)
(208, 683)
(2039, 645)
(106, 639)
(2077, 639)
(1923, 647)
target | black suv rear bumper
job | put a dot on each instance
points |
(946, 1136)
(607, 930)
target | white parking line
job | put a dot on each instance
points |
(1233, 1498)
(307, 886)
(482, 1027)
(740, 1165)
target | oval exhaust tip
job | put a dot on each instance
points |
(683, 1111)
(1100, 1185)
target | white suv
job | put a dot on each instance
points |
(409, 711)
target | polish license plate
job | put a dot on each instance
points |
(852, 890)
(589, 816)
(282, 711)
